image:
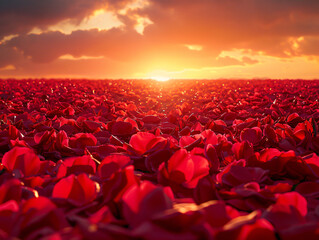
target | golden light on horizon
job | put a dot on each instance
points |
(161, 78)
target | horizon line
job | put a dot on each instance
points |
(151, 79)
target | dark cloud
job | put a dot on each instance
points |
(21, 16)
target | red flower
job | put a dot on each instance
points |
(186, 140)
(210, 137)
(238, 175)
(46, 140)
(283, 164)
(91, 126)
(252, 135)
(289, 210)
(141, 202)
(22, 159)
(205, 190)
(144, 141)
(78, 190)
(212, 157)
(240, 228)
(11, 189)
(8, 217)
(81, 140)
(241, 164)
(270, 133)
(294, 199)
(62, 141)
(243, 150)
(40, 214)
(114, 188)
(121, 128)
(69, 111)
(184, 168)
(77, 165)
(112, 164)
(308, 230)
(151, 119)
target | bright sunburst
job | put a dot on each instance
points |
(160, 78)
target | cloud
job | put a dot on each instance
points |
(47, 47)
(21, 16)
(258, 24)
(249, 61)
(226, 61)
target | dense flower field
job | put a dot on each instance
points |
(159, 160)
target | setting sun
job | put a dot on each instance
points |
(160, 78)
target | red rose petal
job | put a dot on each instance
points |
(23, 159)
(111, 164)
(252, 135)
(78, 190)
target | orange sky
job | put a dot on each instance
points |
(159, 38)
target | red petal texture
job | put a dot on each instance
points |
(77, 165)
(184, 169)
(78, 190)
(212, 157)
(283, 216)
(114, 188)
(82, 140)
(111, 164)
(22, 159)
(252, 135)
(11, 189)
(144, 141)
(142, 202)
(133, 159)
(8, 215)
(243, 150)
(246, 228)
(294, 199)
(301, 231)
(238, 175)
(180, 167)
(121, 128)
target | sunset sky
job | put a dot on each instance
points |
(159, 38)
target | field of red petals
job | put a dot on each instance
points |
(136, 159)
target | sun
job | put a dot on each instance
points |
(160, 78)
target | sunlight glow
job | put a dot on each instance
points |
(160, 78)
(70, 57)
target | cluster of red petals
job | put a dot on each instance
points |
(136, 159)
